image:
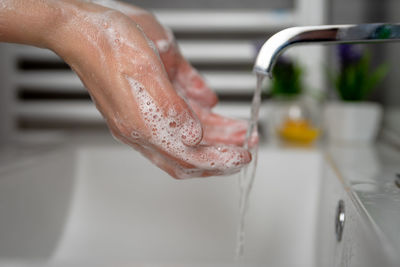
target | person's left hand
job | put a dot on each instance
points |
(186, 80)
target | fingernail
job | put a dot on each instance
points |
(254, 139)
(246, 157)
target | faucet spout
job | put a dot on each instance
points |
(324, 34)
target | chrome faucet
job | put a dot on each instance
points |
(326, 34)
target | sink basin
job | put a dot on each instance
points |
(105, 203)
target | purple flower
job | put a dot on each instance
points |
(349, 54)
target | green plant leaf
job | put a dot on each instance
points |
(355, 82)
(287, 79)
(374, 79)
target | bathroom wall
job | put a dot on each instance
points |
(5, 94)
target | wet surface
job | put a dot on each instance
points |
(372, 175)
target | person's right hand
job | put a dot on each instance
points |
(130, 87)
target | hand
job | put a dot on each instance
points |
(139, 95)
(185, 79)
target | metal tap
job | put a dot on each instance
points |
(325, 34)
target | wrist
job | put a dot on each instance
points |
(28, 21)
(74, 27)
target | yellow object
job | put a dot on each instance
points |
(298, 131)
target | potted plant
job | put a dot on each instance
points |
(292, 120)
(353, 118)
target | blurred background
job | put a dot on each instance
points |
(39, 93)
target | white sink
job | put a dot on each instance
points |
(107, 204)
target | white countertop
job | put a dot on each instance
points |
(369, 172)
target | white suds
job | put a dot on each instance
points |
(171, 131)
(163, 45)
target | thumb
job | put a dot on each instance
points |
(191, 129)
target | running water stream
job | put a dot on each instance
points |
(247, 174)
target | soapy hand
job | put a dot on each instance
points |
(185, 79)
(138, 80)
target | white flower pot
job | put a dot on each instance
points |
(352, 121)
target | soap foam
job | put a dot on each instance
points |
(6, 5)
(172, 131)
(114, 34)
(163, 46)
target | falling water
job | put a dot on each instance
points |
(246, 176)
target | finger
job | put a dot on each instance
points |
(223, 130)
(219, 159)
(184, 162)
(194, 85)
(254, 139)
(170, 140)
(201, 161)
(173, 167)
(218, 129)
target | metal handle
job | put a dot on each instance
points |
(339, 220)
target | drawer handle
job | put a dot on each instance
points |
(339, 220)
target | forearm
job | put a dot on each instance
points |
(29, 21)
